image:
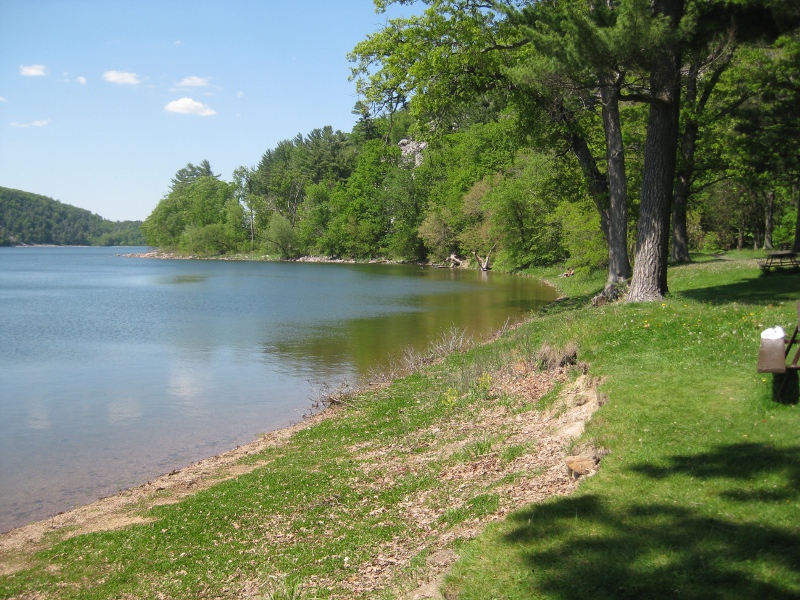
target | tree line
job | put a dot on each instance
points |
(613, 134)
(28, 219)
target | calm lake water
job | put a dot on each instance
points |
(114, 370)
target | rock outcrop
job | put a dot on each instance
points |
(412, 150)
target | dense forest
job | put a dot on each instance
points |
(614, 134)
(27, 218)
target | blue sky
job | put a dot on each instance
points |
(102, 101)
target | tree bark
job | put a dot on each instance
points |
(619, 267)
(740, 240)
(696, 100)
(683, 181)
(796, 194)
(650, 268)
(613, 208)
(769, 211)
(598, 185)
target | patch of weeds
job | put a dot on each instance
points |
(482, 447)
(471, 373)
(407, 485)
(450, 397)
(476, 449)
(420, 560)
(284, 588)
(482, 385)
(507, 402)
(549, 398)
(514, 451)
(550, 358)
(475, 508)
(526, 350)
(512, 478)
(452, 341)
(449, 342)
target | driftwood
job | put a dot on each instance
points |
(455, 261)
(484, 263)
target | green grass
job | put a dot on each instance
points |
(699, 496)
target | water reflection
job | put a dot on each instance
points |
(357, 345)
(117, 370)
(189, 386)
(124, 410)
(38, 416)
(178, 279)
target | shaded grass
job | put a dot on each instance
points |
(700, 496)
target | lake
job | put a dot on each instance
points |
(114, 370)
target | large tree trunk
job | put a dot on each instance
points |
(650, 268)
(740, 239)
(757, 237)
(683, 181)
(611, 206)
(483, 263)
(696, 100)
(598, 185)
(769, 211)
(619, 266)
(680, 236)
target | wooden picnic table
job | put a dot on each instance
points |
(781, 258)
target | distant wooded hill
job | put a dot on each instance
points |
(27, 218)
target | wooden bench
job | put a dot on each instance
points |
(773, 354)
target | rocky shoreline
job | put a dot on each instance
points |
(158, 254)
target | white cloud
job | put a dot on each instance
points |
(177, 43)
(187, 106)
(122, 77)
(31, 124)
(194, 81)
(32, 70)
(81, 80)
(240, 94)
(3, 99)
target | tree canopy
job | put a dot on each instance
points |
(602, 135)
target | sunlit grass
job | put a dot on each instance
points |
(699, 495)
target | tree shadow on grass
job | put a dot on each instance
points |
(766, 289)
(602, 548)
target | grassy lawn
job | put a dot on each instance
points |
(698, 496)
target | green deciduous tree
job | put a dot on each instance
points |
(359, 209)
(199, 215)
